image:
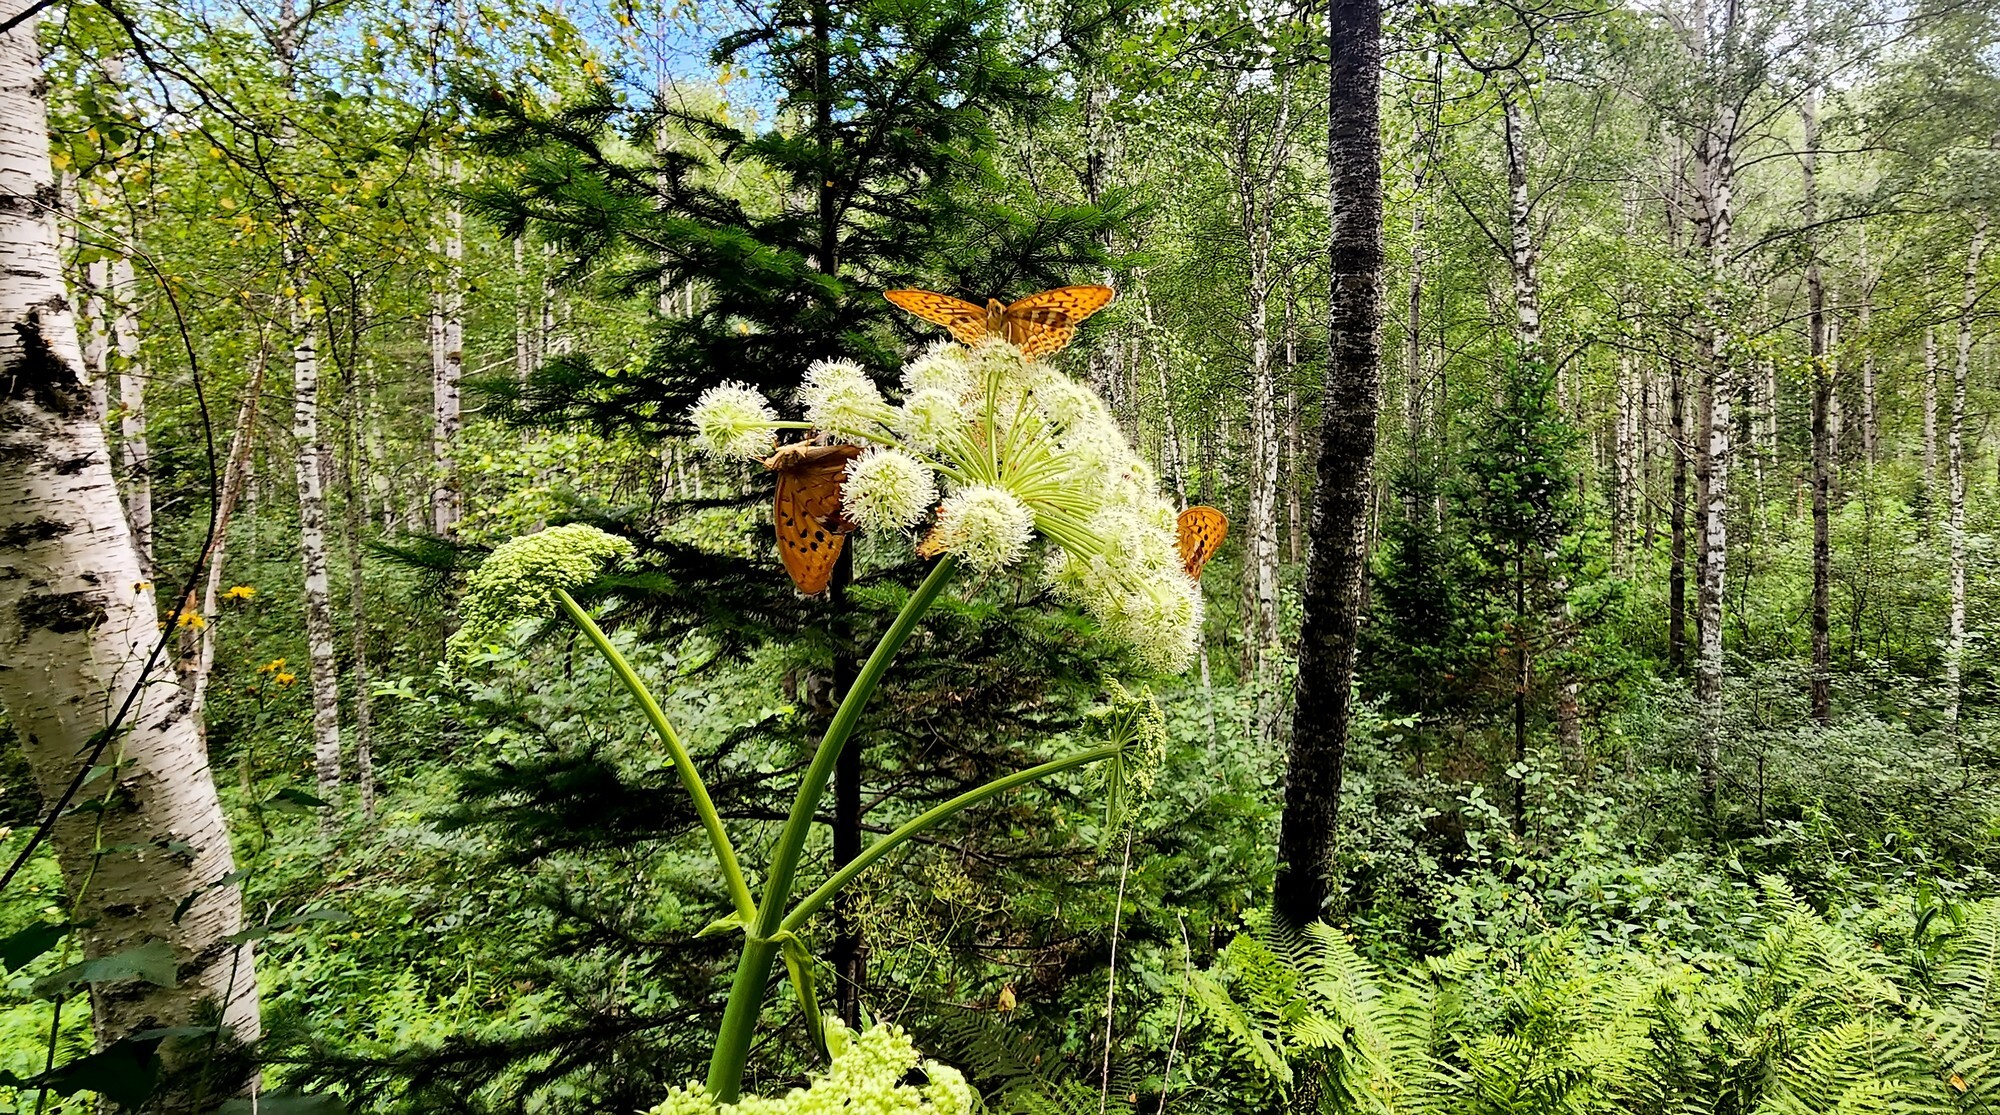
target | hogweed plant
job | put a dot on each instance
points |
(992, 462)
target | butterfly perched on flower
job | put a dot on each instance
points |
(806, 511)
(1039, 325)
(1201, 531)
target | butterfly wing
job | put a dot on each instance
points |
(806, 511)
(1045, 323)
(966, 321)
(1202, 530)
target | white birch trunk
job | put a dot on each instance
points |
(77, 629)
(447, 368)
(1955, 463)
(309, 472)
(323, 671)
(1717, 186)
(1930, 417)
(134, 455)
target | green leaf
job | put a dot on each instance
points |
(294, 800)
(152, 962)
(722, 925)
(799, 963)
(124, 1072)
(17, 949)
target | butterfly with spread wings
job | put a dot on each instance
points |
(1039, 325)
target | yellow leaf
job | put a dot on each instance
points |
(227, 203)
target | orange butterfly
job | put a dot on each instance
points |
(1040, 324)
(1202, 530)
(806, 512)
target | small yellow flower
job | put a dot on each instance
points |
(272, 666)
(239, 592)
(287, 679)
(192, 620)
(141, 586)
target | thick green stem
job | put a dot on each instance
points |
(753, 970)
(811, 903)
(711, 821)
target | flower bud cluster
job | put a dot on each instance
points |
(865, 1078)
(520, 580)
(1018, 450)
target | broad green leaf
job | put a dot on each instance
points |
(17, 949)
(152, 962)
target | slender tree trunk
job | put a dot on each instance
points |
(1678, 518)
(352, 529)
(1871, 432)
(310, 455)
(1257, 181)
(242, 446)
(1954, 660)
(1930, 421)
(1413, 356)
(448, 367)
(1718, 184)
(135, 455)
(1822, 451)
(1329, 634)
(309, 473)
(1295, 529)
(77, 633)
(524, 339)
(1521, 240)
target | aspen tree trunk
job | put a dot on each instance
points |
(1521, 241)
(97, 335)
(1864, 319)
(357, 585)
(310, 453)
(447, 368)
(134, 454)
(1822, 448)
(242, 446)
(77, 633)
(1528, 347)
(524, 348)
(1678, 515)
(1256, 185)
(1337, 562)
(1413, 357)
(309, 471)
(1718, 183)
(1930, 421)
(1295, 530)
(1631, 421)
(1954, 660)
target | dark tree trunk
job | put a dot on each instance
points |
(1344, 467)
(1677, 570)
(1822, 433)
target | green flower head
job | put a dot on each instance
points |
(521, 578)
(866, 1075)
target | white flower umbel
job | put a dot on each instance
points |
(841, 400)
(733, 420)
(986, 526)
(945, 366)
(1020, 450)
(887, 490)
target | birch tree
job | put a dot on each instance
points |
(80, 640)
